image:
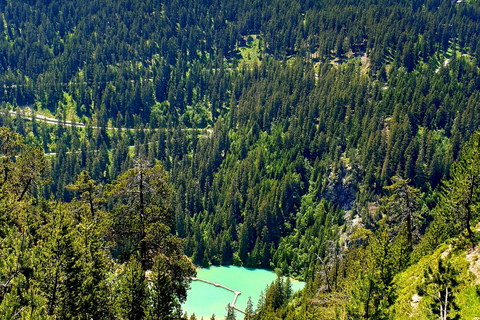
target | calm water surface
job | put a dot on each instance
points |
(205, 299)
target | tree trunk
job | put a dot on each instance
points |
(143, 246)
(469, 211)
(25, 190)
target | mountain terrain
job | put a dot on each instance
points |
(335, 142)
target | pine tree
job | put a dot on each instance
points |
(19, 294)
(60, 274)
(441, 284)
(275, 295)
(403, 207)
(170, 278)
(374, 290)
(21, 246)
(142, 223)
(288, 291)
(249, 314)
(142, 208)
(460, 197)
(130, 297)
(89, 192)
(230, 313)
(94, 265)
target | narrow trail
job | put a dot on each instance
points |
(447, 61)
(28, 116)
(65, 84)
(236, 293)
(50, 120)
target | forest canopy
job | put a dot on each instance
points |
(315, 138)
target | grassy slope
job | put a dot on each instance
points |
(410, 306)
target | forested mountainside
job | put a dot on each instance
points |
(332, 141)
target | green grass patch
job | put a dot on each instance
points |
(467, 296)
(251, 52)
(468, 300)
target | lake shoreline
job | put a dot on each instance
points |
(206, 299)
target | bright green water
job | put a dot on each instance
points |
(205, 299)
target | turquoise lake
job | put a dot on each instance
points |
(205, 299)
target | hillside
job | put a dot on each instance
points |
(409, 304)
(306, 137)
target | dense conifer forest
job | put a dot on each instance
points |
(335, 142)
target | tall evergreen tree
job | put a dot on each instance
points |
(460, 197)
(170, 278)
(249, 312)
(403, 207)
(374, 291)
(141, 211)
(440, 285)
(131, 291)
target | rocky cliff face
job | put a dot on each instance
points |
(341, 185)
